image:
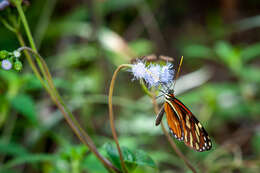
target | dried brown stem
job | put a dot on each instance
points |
(111, 115)
(75, 126)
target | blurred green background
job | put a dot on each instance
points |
(83, 42)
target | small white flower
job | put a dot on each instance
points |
(167, 73)
(6, 64)
(139, 70)
(17, 54)
(152, 77)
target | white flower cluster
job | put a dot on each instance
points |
(8, 60)
(154, 74)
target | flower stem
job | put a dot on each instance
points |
(25, 24)
(18, 5)
(111, 115)
(31, 62)
(81, 134)
(49, 86)
(173, 145)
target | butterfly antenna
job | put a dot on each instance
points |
(178, 72)
(162, 91)
(159, 96)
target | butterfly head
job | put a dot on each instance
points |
(169, 94)
(171, 91)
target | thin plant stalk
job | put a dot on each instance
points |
(169, 138)
(49, 86)
(111, 114)
(81, 134)
(25, 24)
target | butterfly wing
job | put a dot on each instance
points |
(192, 132)
(173, 121)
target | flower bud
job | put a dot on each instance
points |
(18, 65)
(4, 54)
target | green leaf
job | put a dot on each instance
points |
(224, 50)
(12, 149)
(141, 47)
(131, 159)
(197, 51)
(250, 74)
(128, 156)
(144, 159)
(112, 154)
(76, 56)
(24, 104)
(30, 158)
(75, 152)
(92, 164)
(251, 52)
(229, 55)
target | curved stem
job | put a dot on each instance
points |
(111, 115)
(81, 134)
(31, 62)
(172, 143)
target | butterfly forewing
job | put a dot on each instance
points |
(174, 122)
(184, 125)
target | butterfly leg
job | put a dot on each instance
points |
(159, 116)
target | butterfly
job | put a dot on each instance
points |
(183, 125)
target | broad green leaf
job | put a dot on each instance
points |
(30, 158)
(144, 159)
(93, 165)
(32, 83)
(76, 55)
(129, 159)
(224, 50)
(229, 55)
(142, 47)
(251, 52)
(112, 154)
(198, 51)
(132, 159)
(26, 106)
(75, 152)
(11, 149)
(128, 156)
(250, 74)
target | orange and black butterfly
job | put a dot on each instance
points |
(183, 125)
